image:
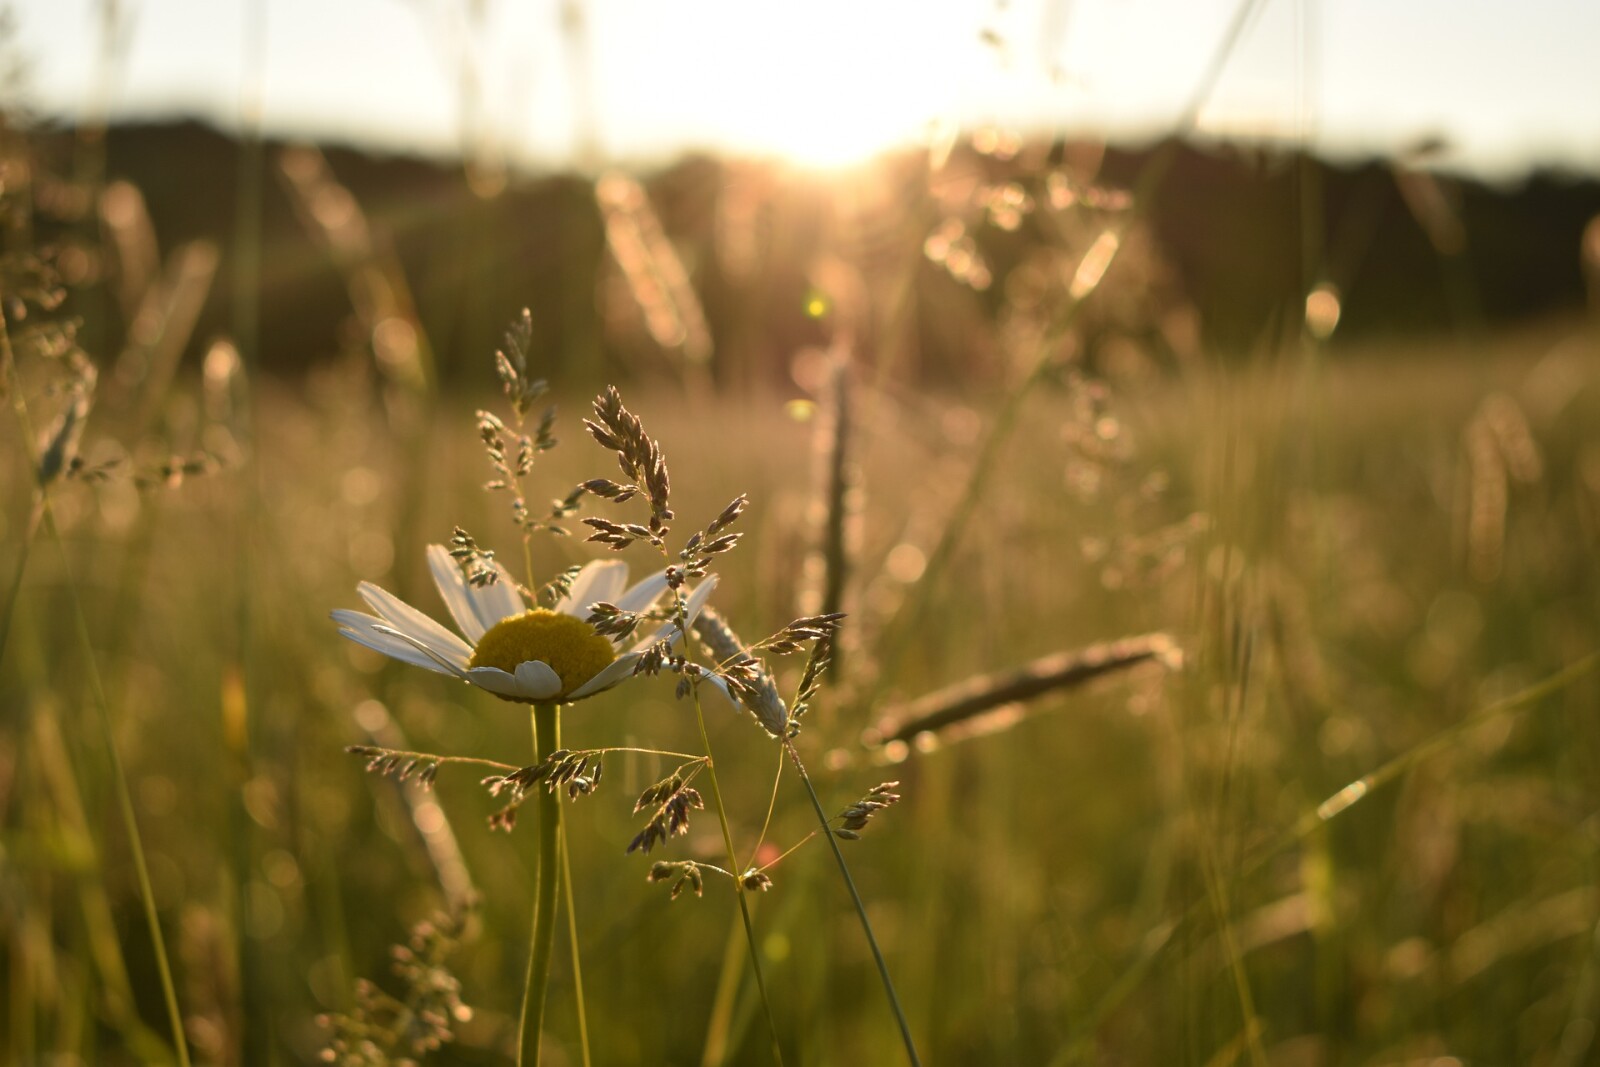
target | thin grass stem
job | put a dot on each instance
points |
(861, 909)
(119, 776)
(772, 806)
(1159, 939)
(35, 516)
(727, 840)
(42, 515)
(715, 1051)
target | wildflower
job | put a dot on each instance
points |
(528, 656)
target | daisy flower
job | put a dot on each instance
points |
(542, 655)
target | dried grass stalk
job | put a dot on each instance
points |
(954, 705)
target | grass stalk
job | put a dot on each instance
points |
(735, 869)
(41, 515)
(35, 516)
(1155, 944)
(546, 739)
(124, 796)
(835, 446)
(861, 909)
(715, 1052)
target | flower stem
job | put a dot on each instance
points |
(546, 739)
(861, 910)
(572, 940)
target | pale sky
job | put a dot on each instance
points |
(1506, 83)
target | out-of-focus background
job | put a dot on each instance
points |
(1242, 356)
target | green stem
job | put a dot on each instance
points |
(130, 821)
(9, 611)
(715, 1052)
(861, 909)
(546, 739)
(41, 513)
(572, 940)
(734, 866)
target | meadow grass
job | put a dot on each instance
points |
(1122, 874)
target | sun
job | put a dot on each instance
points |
(825, 86)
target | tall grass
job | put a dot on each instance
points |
(1336, 804)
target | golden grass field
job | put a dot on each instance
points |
(1357, 556)
(1332, 795)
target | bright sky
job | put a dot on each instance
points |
(1507, 83)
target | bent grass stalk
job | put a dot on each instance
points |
(546, 739)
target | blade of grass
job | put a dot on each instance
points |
(1158, 940)
(46, 518)
(718, 1029)
(861, 909)
(119, 776)
(734, 867)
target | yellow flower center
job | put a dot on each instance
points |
(568, 645)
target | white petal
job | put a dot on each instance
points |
(698, 598)
(495, 681)
(670, 631)
(645, 593)
(453, 588)
(498, 601)
(597, 581)
(361, 629)
(720, 687)
(475, 608)
(617, 671)
(444, 662)
(409, 620)
(538, 680)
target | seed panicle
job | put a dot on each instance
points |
(385, 1029)
(704, 544)
(579, 772)
(811, 680)
(616, 428)
(476, 563)
(559, 586)
(511, 365)
(687, 873)
(609, 620)
(401, 766)
(854, 818)
(793, 637)
(673, 799)
(755, 881)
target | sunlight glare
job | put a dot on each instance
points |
(833, 88)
